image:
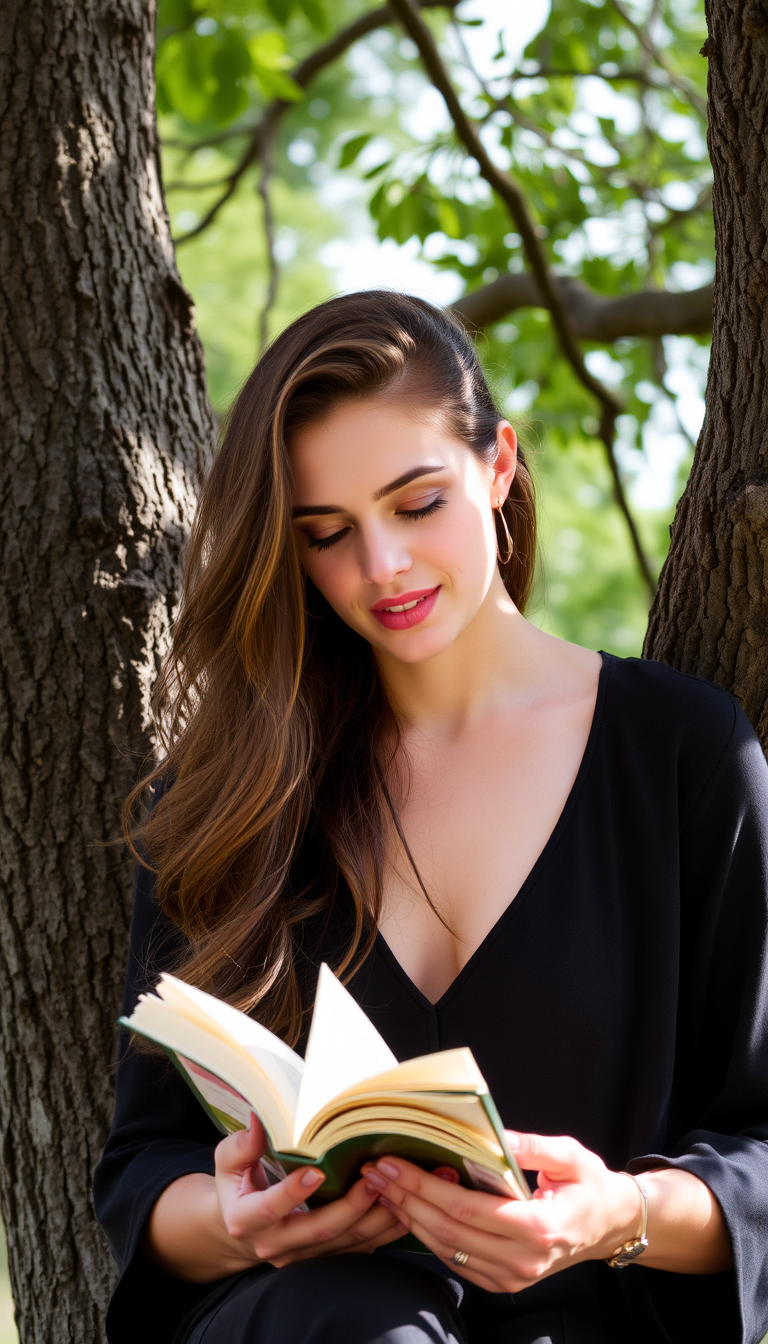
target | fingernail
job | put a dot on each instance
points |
(389, 1169)
(311, 1178)
(447, 1174)
(512, 1139)
(374, 1179)
(386, 1203)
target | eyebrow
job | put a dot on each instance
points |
(307, 511)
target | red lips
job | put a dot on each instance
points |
(399, 599)
(424, 598)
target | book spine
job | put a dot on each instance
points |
(519, 1180)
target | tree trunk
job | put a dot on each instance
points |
(106, 426)
(710, 615)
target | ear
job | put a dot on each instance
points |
(505, 466)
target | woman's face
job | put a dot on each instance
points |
(395, 524)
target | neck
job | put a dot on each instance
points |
(499, 658)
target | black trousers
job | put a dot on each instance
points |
(396, 1297)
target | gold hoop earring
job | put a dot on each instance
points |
(503, 559)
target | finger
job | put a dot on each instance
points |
(238, 1157)
(247, 1211)
(494, 1262)
(524, 1221)
(449, 1235)
(320, 1227)
(395, 1177)
(447, 1174)
(561, 1158)
(242, 1149)
(487, 1274)
(363, 1238)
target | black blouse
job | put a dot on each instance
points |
(621, 998)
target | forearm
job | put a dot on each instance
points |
(186, 1236)
(687, 1233)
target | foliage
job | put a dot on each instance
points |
(600, 122)
(214, 60)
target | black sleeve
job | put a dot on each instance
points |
(719, 1125)
(159, 1133)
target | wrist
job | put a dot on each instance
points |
(625, 1210)
(635, 1232)
(237, 1253)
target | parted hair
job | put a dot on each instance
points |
(277, 741)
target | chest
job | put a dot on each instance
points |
(478, 813)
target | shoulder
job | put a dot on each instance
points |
(674, 720)
(658, 693)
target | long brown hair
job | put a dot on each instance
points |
(278, 741)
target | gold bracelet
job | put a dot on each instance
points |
(625, 1254)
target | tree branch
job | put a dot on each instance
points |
(209, 141)
(181, 185)
(504, 185)
(703, 202)
(302, 75)
(593, 317)
(551, 72)
(683, 87)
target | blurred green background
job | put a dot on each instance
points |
(595, 106)
(369, 187)
(8, 1333)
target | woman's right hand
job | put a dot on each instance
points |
(266, 1221)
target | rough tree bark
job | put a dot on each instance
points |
(106, 425)
(710, 615)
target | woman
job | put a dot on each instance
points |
(498, 839)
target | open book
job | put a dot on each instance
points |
(347, 1102)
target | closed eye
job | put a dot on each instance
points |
(426, 511)
(324, 543)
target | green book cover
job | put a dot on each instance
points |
(349, 1102)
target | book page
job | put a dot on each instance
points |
(227, 1108)
(444, 1071)
(463, 1108)
(344, 1047)
(273, 1057)
(226, 1061)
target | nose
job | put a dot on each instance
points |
(382, 556)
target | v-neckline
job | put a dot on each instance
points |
(382, 946)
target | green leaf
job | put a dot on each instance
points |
(379, 168)
(184, 69)
(448, 218)
(269, 52)
(230, 65)
(276, 84)
(175, 14)
(271, 61)
(204, 76)
(232, 59)
(280, 10)
(315, 11)
(352, 147)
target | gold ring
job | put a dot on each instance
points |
(460, 1257)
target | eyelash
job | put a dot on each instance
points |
(324, 543)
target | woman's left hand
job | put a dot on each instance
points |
(580, 1211)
